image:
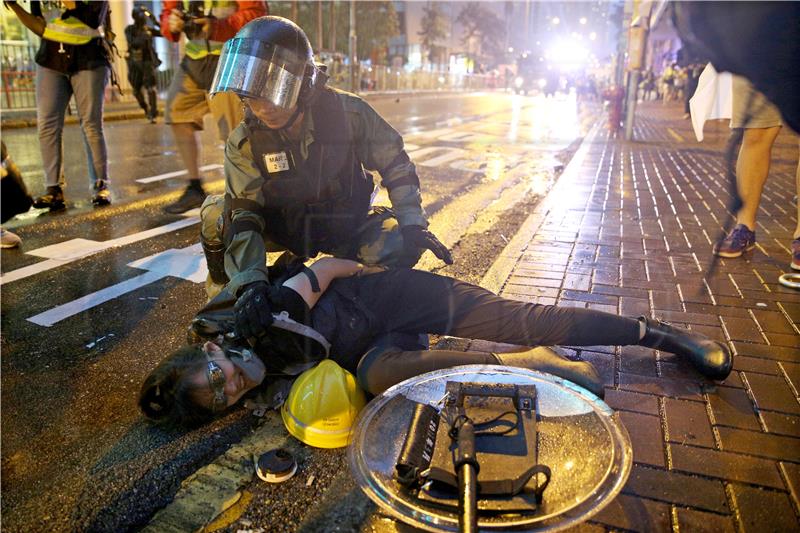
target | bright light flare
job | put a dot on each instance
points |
(568, 55)
(518, 81)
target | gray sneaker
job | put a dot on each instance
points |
(8, 239)
(738, 241)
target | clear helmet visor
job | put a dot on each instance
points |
(255, 69)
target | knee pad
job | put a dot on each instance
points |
(211, 218)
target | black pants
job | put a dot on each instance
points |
(142, 78)
(405, 303)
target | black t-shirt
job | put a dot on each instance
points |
(68, 58)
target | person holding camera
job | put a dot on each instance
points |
(206, 29)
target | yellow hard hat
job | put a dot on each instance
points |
(322, 406)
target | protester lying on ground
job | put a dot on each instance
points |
(373, 320)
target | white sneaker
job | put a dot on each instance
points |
(8, 239)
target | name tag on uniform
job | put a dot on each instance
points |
(277, 162)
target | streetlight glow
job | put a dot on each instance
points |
(582, 20)
(555, 21)
(592, 36)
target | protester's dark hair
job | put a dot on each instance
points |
(166, 394)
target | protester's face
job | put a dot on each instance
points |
(273, 116)
(236, 383)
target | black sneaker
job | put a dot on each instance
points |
(54, 199)
(192, 197)
(102, 196)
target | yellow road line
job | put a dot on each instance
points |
(675, 135)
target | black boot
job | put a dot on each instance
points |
(152, 108)
(708, 356)
(192, 197)
(544, 359)
(54, 199)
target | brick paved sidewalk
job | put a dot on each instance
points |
(629, 229)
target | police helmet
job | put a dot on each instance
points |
(269, 58)
(139, 13)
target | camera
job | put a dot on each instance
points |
(195, 11)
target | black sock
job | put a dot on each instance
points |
(196, 184)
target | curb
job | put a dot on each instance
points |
(497, 275)
(136, 113)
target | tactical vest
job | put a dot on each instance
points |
(316, 205)
(69, 30)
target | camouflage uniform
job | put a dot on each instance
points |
(313, 195)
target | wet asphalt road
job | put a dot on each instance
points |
(76, 455)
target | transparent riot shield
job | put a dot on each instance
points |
(579, 438)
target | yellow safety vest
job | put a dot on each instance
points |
(69, 30)
(200, 48)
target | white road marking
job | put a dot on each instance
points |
(452, 154)
(175, 174)
(56, 314)
(455, 136)
(185, 263)
(72, 250)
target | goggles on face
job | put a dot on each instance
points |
(255, 69)
(216, 380)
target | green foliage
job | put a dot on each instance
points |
(433, 29)
(10, 27)
(376, 23)
(482, 24)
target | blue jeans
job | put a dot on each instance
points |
(53, 91)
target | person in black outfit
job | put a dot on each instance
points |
(373, 320)
(143, 60)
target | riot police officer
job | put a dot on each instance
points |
(142, 60)
(295, 168)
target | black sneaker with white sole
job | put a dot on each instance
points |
(53, 199)
(102, 195)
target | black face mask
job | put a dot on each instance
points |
(245, 360)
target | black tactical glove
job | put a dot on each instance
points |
(252, 311)
(419, 237)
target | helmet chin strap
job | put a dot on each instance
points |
(291, 120)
